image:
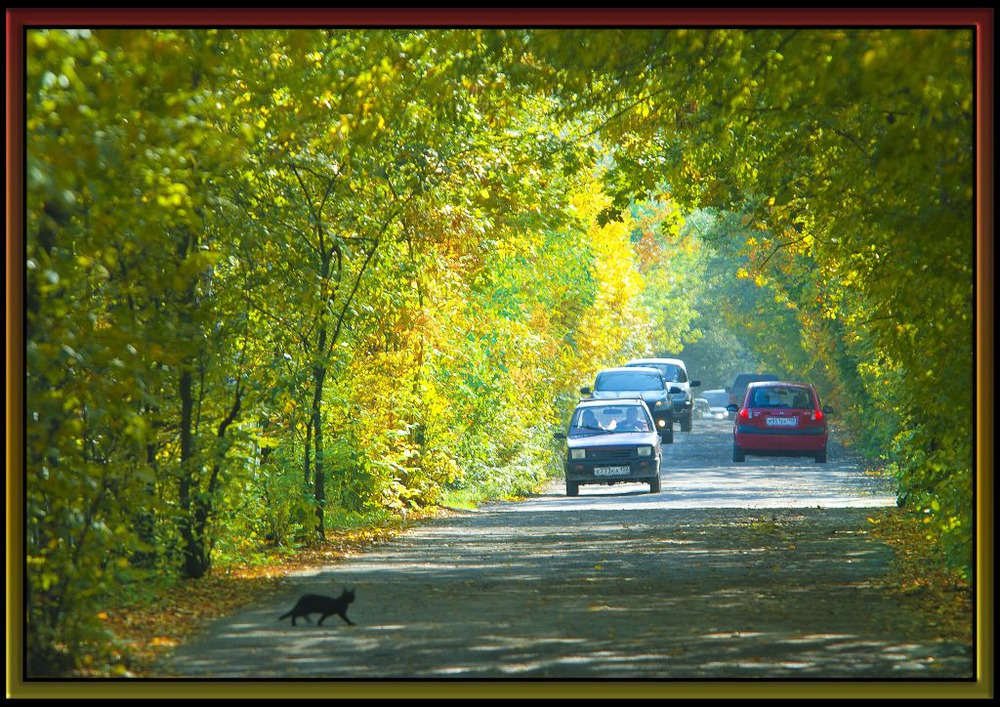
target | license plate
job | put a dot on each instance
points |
(611, 471)
(782, 421)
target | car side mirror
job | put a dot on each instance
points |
(585, 390)
(695, 384)
(827, 410)
(559, 435)
(733, 408)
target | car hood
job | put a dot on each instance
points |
(613, 439)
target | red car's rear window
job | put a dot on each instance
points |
(790, 397)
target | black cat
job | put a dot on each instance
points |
(319, 604)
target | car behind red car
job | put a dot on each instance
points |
(782, 419)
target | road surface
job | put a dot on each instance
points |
(762, 570)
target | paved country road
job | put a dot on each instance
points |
(761, 570)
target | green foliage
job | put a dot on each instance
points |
(850, 152)
(282, 279)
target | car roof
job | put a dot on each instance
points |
(778, 384)
(640, 361)
(629, 369)
(617, 402)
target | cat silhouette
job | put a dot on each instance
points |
(321, 604)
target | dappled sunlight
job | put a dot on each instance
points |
(704, 580)
(475, 597)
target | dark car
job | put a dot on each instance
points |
(739, 389)
(675, 373)
(611, 442)
(780, 419)
(638, 382)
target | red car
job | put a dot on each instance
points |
(780, 419)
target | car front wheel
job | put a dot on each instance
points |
(821, 456)
(654, 485)
(686, 422)
(572, 489)
(738, 454)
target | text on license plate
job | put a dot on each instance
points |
(782, 421)
(611, 471)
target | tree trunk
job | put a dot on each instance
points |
(196, 562)
(319, 474)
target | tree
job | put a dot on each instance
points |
(862, 197)
(275, 279)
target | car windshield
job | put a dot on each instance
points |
(628, 380)
(672, 373)
(609, 419)
(771, 397)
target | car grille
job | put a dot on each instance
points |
(621, 455)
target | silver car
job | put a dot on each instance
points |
(612, 442)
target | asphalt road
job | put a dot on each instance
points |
(763, 571)
(699, 473)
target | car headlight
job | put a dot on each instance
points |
(645, 451)
(578, 454)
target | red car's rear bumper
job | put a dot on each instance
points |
(806, 440)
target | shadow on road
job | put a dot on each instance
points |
(763, 570)
(665, 594)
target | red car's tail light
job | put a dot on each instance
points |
(745, 414)
(817, 415)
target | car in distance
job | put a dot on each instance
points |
(780, 419)
(611, 442)
(637, 382)
(739, 389)
(675, 373)
(717, 400)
